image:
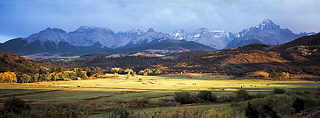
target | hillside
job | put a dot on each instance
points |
(14, 63)
(312, 40)
(165, 46)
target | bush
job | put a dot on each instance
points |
(251, 112)
(264, 111)
(242, 95)
(280, 75)
(140, 102)
(225, 99)
(207, 96)
(278, 91)
(184, 97)
(298, 105)
(16, 106)
(119, 112)
(272, 106)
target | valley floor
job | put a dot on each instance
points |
(141, 94)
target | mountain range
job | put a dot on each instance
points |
(87, 40)
(267, 33)
(299, 56)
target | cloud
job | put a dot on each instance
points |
(23, 17)
(4, 38)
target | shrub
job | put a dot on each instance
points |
(263, 111)
(242, 95)
(251, 112)
(273, 106)
(207, 96)
(16, 106)
(259, 74)
(223, 112)
(278, 91)
(298, 105)
(119, 112)
(140, 102)
(225, 99)
(280, 75)
(184, 97)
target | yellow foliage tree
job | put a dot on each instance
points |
(129, 71)
(8, 77)
(116, 71)
(285, 75)
(147, 71)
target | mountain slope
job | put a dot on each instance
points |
(267, 33)
(22, 47)
(297, 57)
(216, 38)
(312, 40)
(165, 46)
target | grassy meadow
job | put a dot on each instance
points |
(145, 96)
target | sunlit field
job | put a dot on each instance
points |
(106, 92)
(161, 83)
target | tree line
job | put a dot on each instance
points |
(65, 74)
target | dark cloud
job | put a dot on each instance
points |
(23, 17)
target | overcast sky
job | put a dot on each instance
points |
(20, 18)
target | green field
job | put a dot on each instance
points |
(100, 95)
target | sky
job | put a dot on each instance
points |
(21, 18)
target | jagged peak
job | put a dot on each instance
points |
(267, 24)
(267, 21)
(53, 30)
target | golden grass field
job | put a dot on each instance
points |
(108, 91)
(141, 84)
(157, 83)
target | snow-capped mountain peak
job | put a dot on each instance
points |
(267, 32)
(267, 24)
(55, 35)
(267, 21)
(52, 30)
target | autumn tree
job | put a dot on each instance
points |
(83, 75)
(8, 77)
(157, 71)
(141, 72)
(129, 72)
(147, 72)
(115, 71)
